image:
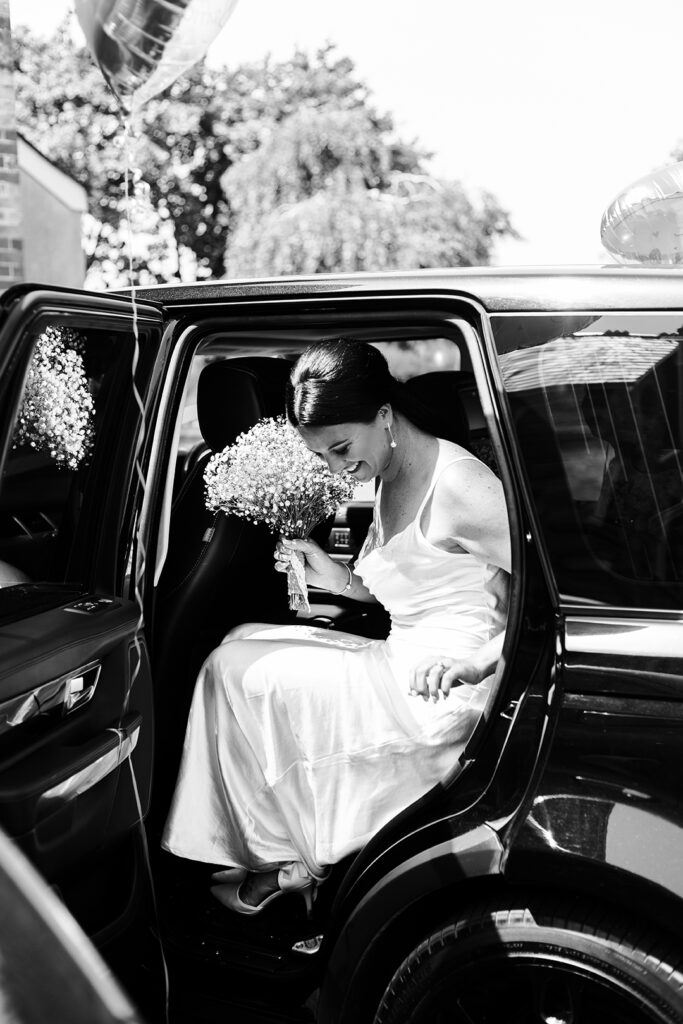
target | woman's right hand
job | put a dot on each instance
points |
(321, 570)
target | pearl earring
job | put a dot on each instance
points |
(392, 441)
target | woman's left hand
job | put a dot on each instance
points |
(436, 675)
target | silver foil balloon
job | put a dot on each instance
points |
(643, 226)
(143, 46)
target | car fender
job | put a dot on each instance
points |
(607, 846)
(390, 911)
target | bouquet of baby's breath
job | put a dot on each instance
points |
(269, 476)
(57, 411)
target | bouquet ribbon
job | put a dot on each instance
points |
(296, 583)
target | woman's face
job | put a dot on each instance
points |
(361, 450)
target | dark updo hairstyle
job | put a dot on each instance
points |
(338, 381)
(343, 381)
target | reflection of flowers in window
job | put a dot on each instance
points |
(56, 414)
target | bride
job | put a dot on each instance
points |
(301, 742)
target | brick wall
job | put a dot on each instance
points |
(11, 246)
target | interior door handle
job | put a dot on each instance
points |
(66, 693)
(80, 688)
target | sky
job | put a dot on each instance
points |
(554, 107)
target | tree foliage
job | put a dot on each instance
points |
(271, 167)
(328, 191)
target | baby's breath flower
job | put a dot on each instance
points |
(268, 475)
(57, 409)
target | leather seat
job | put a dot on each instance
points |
(454, 410)
(219, 570)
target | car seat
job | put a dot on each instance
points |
(219, 569)
(450, 399)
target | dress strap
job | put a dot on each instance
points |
(439, 470)
(372, 537)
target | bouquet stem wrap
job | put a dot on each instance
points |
(296, 583)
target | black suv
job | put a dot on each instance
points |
(542, 880)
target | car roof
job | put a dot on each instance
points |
(497, 289)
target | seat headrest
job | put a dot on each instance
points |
(228, 402)
(232, 395)
(272, 375)
(440, 393)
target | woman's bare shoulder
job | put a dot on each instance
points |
(451, 450)
(461, 465)
(470, 497)
(470, 491)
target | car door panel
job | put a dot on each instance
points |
(66, 639)
(76, 705)
(69, 718)
(63, 812)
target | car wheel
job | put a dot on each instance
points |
(532, 963)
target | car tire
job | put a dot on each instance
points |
(534, 962)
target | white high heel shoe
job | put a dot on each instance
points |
(291, 878)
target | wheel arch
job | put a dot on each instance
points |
(393, 915)
(543, 953)
(384, 920)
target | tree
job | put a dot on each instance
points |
(191, 136)
(207, 125)
(331, 190)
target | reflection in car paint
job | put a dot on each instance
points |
(576, 824)
(642, 638)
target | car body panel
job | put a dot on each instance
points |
(610, 796)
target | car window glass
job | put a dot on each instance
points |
(66, 402)
(598, 414)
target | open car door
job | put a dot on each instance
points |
(76, 725)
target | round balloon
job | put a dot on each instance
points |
(143, 46)
(644, 224)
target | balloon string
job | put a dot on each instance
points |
(140, 555)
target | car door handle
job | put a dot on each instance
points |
(67, 693)
(80, 688)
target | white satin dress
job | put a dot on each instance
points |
(303, 742)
